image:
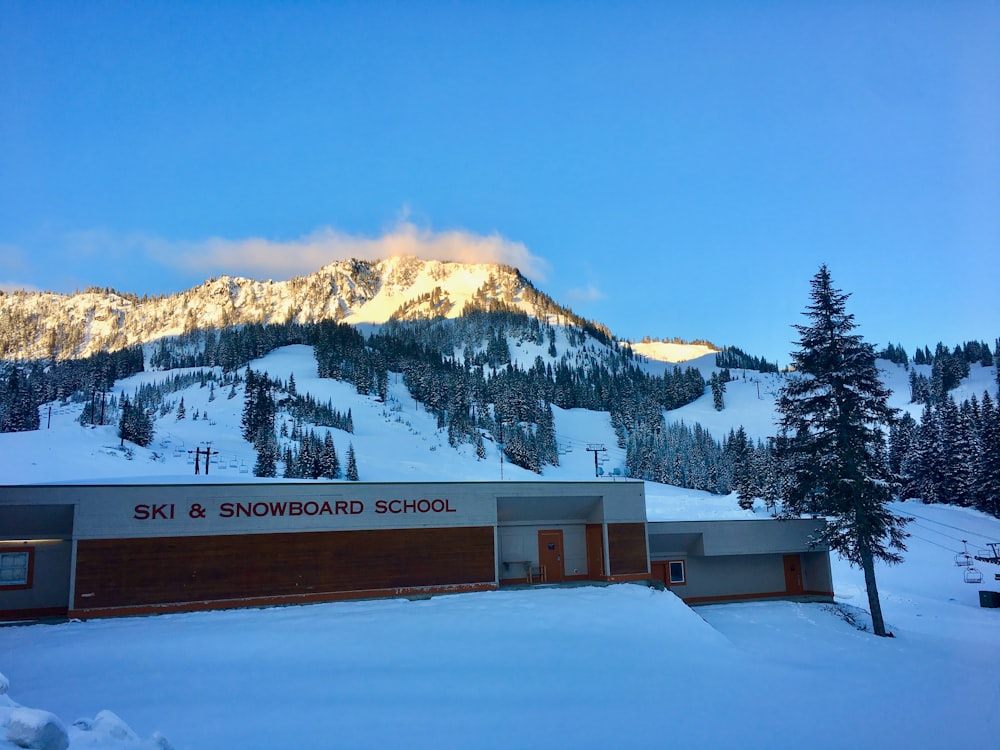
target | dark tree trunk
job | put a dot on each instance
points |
(874, 605)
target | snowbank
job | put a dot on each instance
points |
(36, 729)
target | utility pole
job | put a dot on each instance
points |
(596, 448)
(500, 445)
(208, 457)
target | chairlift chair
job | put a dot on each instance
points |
(963, 559)
(973, 575)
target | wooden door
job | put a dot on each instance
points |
(659, 572)
(793, 574)
(550, 554)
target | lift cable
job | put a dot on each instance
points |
(948, 525)
(935, 531)
(929, 541)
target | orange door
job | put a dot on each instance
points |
(793, 575)
(550, 554)
(659, 572)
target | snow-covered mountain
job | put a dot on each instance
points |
(37, 325)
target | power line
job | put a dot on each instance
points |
(949, 549)
(950, 526)
(935, 531)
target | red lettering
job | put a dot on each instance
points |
(325, 509)
(357, 507)
(437, 505)
(447, 506)
(295, 508)
(164, 511)
(243, 510)
(278, 509)
(409, 506)
(423, 506)
(140, 512)
(226, 510)
(394, 506)
(311, 508)
(341, 506)
(381, 507)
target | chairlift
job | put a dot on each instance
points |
(991, 554)
(963, 559)
(233, 463)
(973, 575)
(244, 469)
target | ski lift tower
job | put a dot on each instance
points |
(596, 448)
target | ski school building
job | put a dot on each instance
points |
(108, 550)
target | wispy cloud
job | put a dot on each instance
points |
(257, 256)
(589, 293)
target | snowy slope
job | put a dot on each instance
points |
(669, 351)
(578, 667)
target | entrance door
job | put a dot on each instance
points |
(793, 574)
(550, 554)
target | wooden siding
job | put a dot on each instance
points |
(130, 572)
(627, 548)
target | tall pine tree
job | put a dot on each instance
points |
(833, 413)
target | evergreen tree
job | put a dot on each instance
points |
(902, 433)
(181, 411)
(832, 417)
(267, 455)
(923, 463)
(352, 464)
(329, 462)
(135, 425)
(718, 386)
(18, 405)
(988, 471)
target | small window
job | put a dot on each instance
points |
(15, 568)
(677, 572)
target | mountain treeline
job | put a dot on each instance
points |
(952, 455)
(734, 358)
(463, 371)
(25, 386)
(948, 368)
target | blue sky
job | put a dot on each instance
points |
(668, 169)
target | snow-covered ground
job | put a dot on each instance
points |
(576, 667)
(582, 667)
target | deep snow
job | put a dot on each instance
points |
(574, 667)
